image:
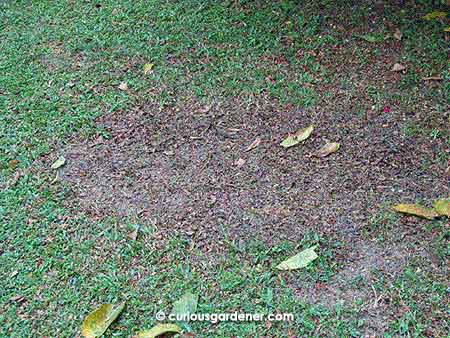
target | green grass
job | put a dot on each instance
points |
(60, 66)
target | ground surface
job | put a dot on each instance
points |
(169, 155)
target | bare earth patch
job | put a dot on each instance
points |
(186, 170)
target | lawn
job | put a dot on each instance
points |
(170, 114)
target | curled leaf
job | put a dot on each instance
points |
(435, 15)
(300, 260)
(328, 149)
(58, 163)
(298, 137)
(442, 207)
(96, 323)
(416, 210)
(159, 330)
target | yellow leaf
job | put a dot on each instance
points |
(96, 323)
(58, 163)
(300, 260)
(447, 29)
(435, 15)
(328, 149)
(416, 210)
(148, 68)
(159, 330)
(442, 207)
(298, 137)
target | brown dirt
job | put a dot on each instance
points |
(178, 169)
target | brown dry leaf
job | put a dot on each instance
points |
(416, 210)
(398, 34)
(96, 323)
(328, 149)
(432, 78)
(299, 136)
(133, 235)
(254, 144)
(398, 67)
(123, 86)
(442, 207)
(13, 164)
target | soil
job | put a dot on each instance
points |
(186, 170)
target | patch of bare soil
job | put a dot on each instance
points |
(186, 169)
(182, 169)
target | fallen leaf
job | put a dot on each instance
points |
(398, 67)
(373, 38)
(416, 210)
(442, 207)
(123, 86)
(59, 163)
(240, 162)
(447, 29)
(148, 67)
(298, 137)
(398, 34)
(254, 144)
(133, 235)
(432, 78)
(435, 15)
(328, 149)
(12, 164)
(159, 330)
(96, 323)
(300, 260)
(187, 304)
